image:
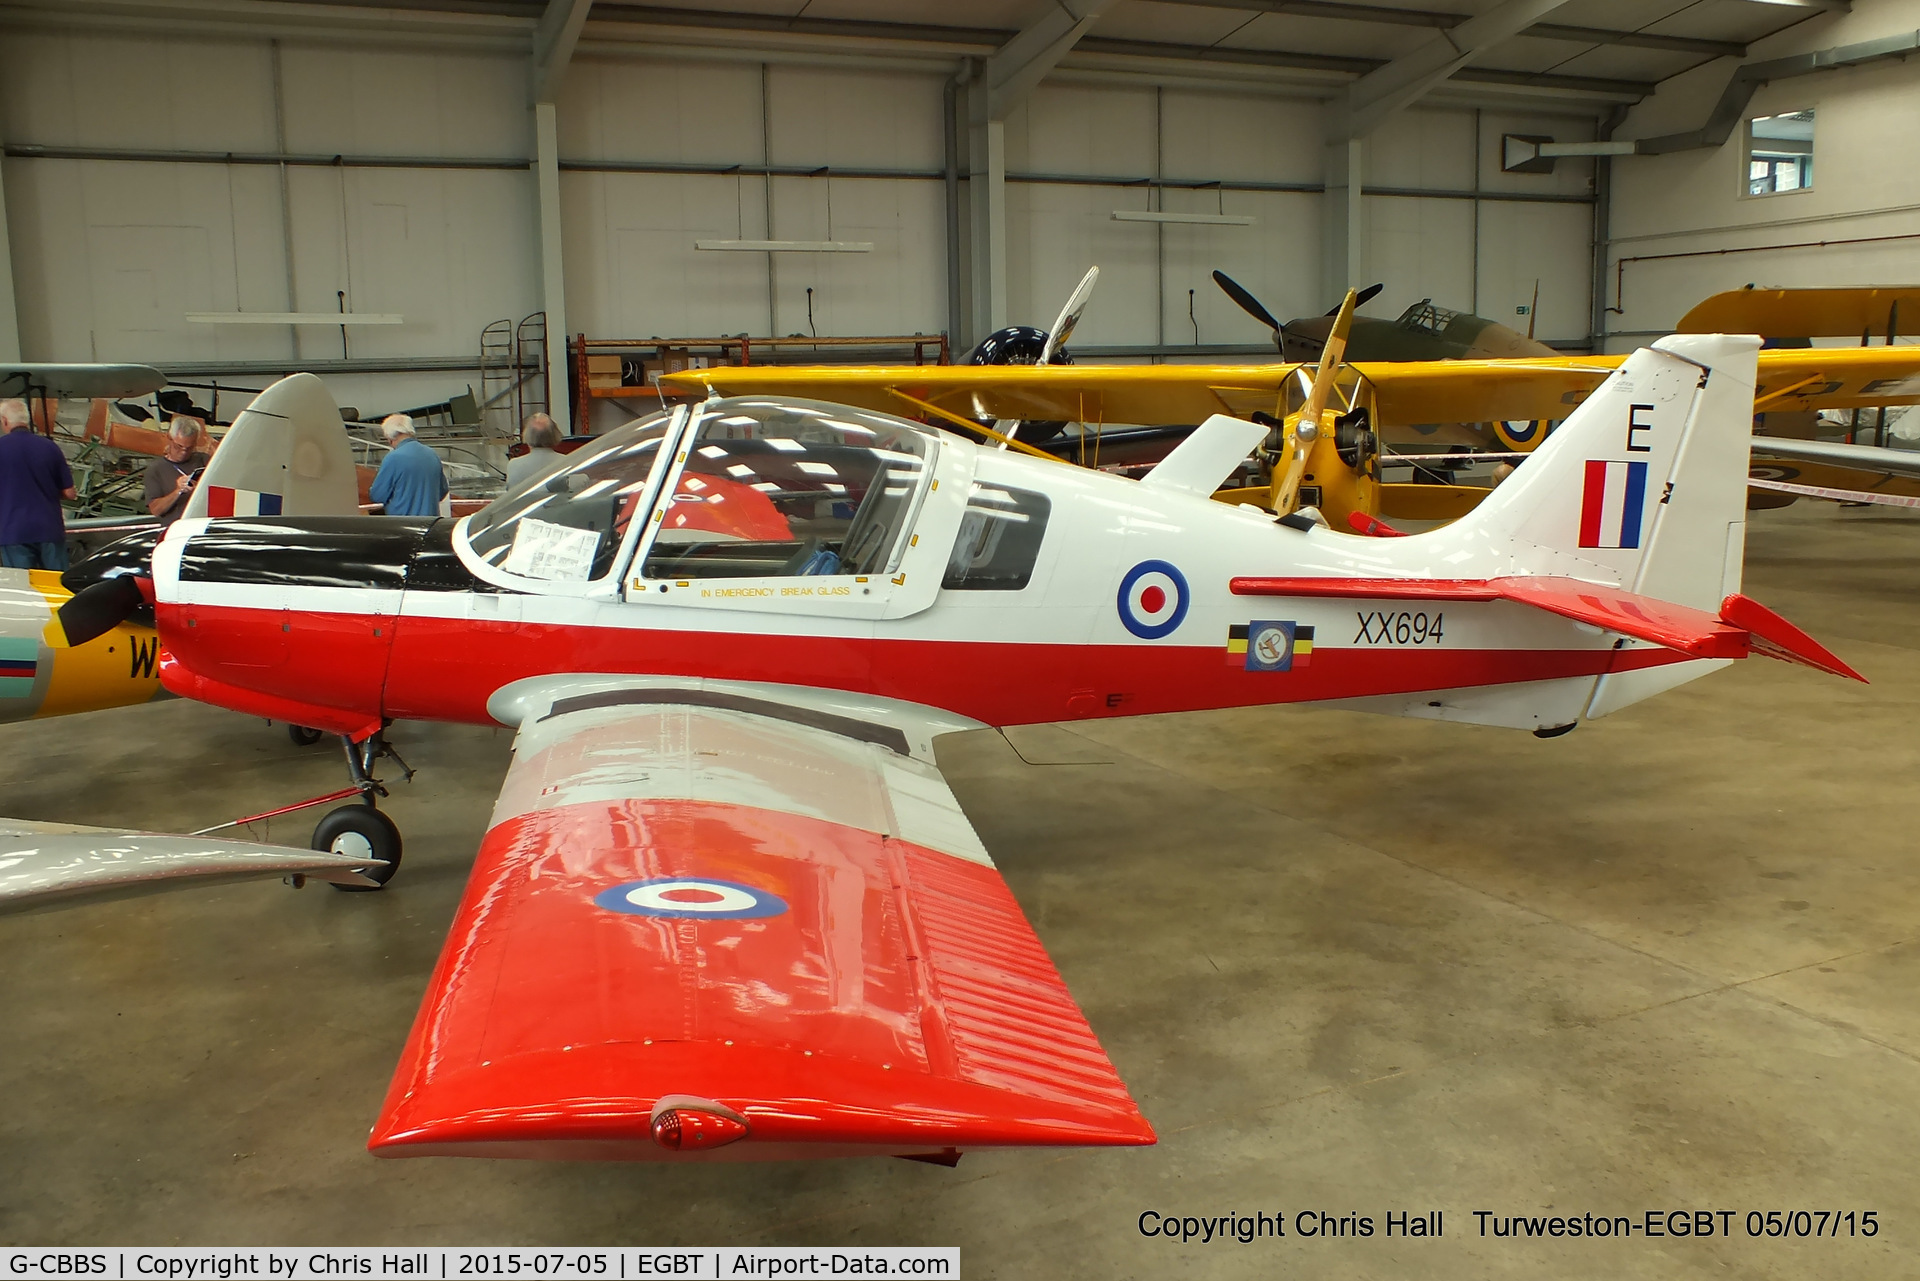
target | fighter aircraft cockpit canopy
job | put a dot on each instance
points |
(782, 487)
(1424, 315)
(568, 525)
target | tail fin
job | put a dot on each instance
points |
(1644, 486)
(287, 454)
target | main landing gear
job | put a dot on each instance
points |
(359, 830)
(362, 831)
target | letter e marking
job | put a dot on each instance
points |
(1633, 425)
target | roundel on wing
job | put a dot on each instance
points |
(690, 898)
(1517, 435)
(1153, 599)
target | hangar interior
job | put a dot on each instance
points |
(1346, 963)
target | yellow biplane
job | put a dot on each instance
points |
(1498, 407)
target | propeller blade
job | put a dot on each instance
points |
(1069, 316)
(1361, 299)
(94, 611)
(1306, 425)
(1248, 303)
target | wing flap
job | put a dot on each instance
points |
(635, 932)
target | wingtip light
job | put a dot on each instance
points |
(682, 1123)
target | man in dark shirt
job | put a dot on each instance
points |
(169, 482)
(34, 477)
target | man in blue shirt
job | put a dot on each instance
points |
(34, 477)
(411, 481)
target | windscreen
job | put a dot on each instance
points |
(567, 525)
(791, 488)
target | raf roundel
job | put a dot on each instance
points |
(690, 898)
(1153, 599)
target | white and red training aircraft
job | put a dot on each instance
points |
(727, 907)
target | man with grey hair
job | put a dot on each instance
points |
(170, 476)
(34, 477)
(543, 454)
(412, 480)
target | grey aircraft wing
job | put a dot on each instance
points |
(78, 382)
(47, 864)
(1892, 462)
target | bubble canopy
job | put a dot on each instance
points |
(753, 486)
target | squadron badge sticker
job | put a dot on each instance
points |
(1269, 646)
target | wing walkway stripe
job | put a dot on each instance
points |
(845, 726)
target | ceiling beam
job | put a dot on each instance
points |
(553, 41)
(964, 38)
(1375, 97)
(1013, 70)
(1441, 21)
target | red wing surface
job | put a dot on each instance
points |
(739, 930)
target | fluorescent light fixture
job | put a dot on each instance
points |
(1198, 219)
(293, 318)
(790, 246)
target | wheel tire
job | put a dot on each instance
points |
(361, 830)
(303, 736)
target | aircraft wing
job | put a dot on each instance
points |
(737, 921)
(1475, 391)
(78, 382)
(47, 864)
(1149, 394)
(1839, 472)
(1790, 379)
(1871, 458)
(1804, 313)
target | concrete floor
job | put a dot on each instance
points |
(1347, 964)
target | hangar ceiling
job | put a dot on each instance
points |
(1597, 50)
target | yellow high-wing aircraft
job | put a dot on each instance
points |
(1408, 404)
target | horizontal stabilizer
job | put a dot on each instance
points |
(1775, 637)
(1744, 626)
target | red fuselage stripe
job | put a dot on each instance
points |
(417, 668)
